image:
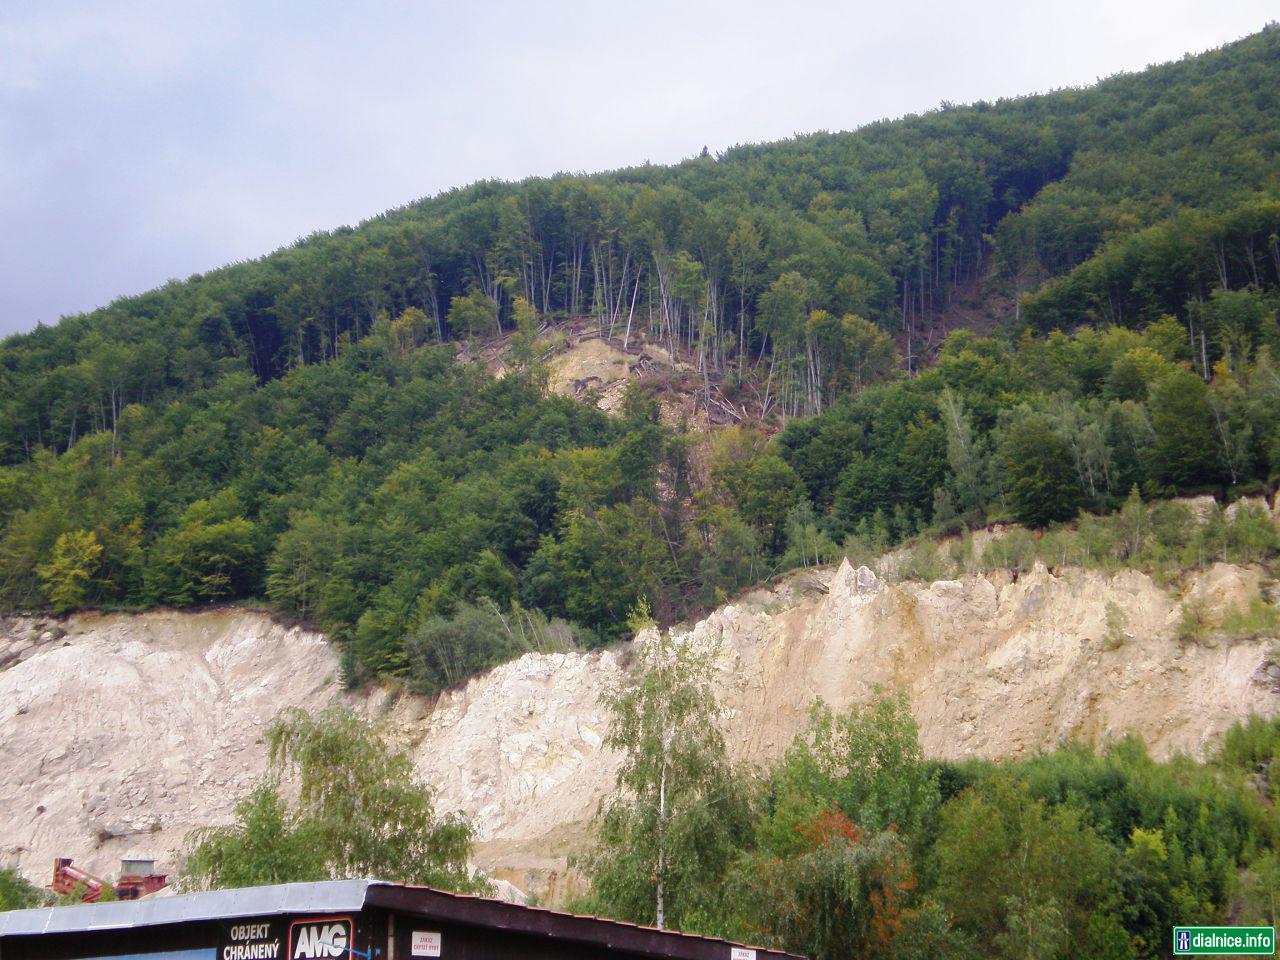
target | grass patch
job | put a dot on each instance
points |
(1259, 619)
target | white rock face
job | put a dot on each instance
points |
(156, 718)
(993, 667)
(519, 750)
(121, 737)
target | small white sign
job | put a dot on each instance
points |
(742, 953)
(425, 944)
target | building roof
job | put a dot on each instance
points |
(344, 896)
(328, 896)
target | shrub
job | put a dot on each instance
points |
(1095, 541)
(923, 562)
(1194, 624)
(961, 553)
(1251, 536)
(1016, 551)
(1256, 620)
(1212, 539)
(1250, 744)
(732, 559)
(808, 544)
(860, 551)
(1172, 531)
(16, 893)
(443, 651)
(68, 574)
(1117, 622)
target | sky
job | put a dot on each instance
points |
(145, 141)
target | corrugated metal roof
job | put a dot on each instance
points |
(327, 896)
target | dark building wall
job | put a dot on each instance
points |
(247, 938)
(362, 919)
(460, 942)
(251, 938)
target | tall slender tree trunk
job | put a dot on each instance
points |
(631, 312)
(660, 918)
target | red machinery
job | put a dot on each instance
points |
(137, 879)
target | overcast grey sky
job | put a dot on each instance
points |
(141, 141)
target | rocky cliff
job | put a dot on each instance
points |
(121, 734)
(128, 732)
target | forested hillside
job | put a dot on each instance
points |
(298, 428)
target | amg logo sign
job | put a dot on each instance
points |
(326, 938)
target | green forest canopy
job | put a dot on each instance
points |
(297, 428)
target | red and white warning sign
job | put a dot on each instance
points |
(424, 943)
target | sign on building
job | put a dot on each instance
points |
(425, 943)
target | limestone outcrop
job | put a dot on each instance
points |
(125, 733)
(121, 734)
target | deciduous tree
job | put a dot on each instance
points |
(676, 814)
(361, 811)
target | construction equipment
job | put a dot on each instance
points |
(137, 879)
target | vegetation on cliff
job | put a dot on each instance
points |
(855, 845)
(357, 810)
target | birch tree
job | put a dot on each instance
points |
(746, 257)
(356, 808)
(676, 815)
(966, 456)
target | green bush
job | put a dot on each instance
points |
(1117, 623)
(1258, 619)
(16, 893)
(924, 561)
(808, 544)
(1251, 534)
(444, 651)
(1250, 744)
(356, 808)
(1194, 623)
(1015, 550)
(733, 558)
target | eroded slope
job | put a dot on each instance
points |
(130, 731)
